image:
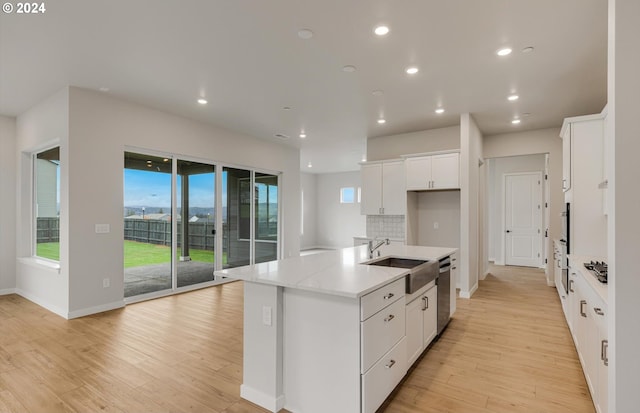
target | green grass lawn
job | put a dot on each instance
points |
(135, 253)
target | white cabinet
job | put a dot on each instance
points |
(383, 188)
(421, 321)
(431, 172)
(454, 282)
(566, 158)
(587, 319)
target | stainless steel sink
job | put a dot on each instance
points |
(422, 271)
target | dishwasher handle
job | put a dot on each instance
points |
(445, 268)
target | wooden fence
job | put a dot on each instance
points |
(47, 230)
(153, 231)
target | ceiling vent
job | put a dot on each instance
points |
(281, 136)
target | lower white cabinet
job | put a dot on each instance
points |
(383, 377)
(587, 320)
(421, 321)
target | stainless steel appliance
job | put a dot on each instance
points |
(565, 246)
(444, 293)
(599, 269)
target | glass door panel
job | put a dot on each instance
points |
(236, 213)
(266, 217)
(196, 200)
(147, 224)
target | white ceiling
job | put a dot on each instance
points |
(246, 58)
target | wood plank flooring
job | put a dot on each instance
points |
(506, 350)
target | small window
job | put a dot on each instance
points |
(347, 195)
(46, 168)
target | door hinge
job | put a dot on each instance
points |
(546, 205)
(546, 261)
(546, 177)
(546, 233)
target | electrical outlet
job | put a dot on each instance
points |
(106, 283)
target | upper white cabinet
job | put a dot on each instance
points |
(583, 166)
(383, 188)
(431, 172)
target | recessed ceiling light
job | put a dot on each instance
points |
(515, 121)
(148, 161)
(305, 34)
(381, 30)
(513, 97)
(202, 101)
(503, 52)
(527, 49)
(349, 68)
(439, 111)
(382, 121)
(412, 70)
(303, 135)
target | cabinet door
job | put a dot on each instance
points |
(371, 189)
(602, 386)
(394, 196)
(430, 316)
(454, 280)
(566, 160)
(413, 331)
(445, 171)
(418, 173)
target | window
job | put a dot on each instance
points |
(46, 172)
(347, 195)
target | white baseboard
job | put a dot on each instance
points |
(94, 310)
(42, 303)
(468, 294)
(261, 399)
(498, 263)
(7, 291)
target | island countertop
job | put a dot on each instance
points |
(339, 272)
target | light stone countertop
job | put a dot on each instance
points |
(338, 272)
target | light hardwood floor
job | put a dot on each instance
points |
(506, 350)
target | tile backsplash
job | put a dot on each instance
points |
(385, 226)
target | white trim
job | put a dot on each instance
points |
(586, 118)
(94, 310)
(261, 399)
(39, 301)
(7, 291)
(42, 263)
(418, 155)
(468, 294)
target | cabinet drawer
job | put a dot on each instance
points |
(381, 379)
(380, 298)
(380, 332)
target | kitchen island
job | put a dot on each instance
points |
(326, 332)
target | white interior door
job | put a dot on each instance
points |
(523, 219)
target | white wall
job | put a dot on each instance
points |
(44, 126)
(539, 141)
(392, 146)
(7, 205)
(443, 208)
(471, 174)
(338, 223)
(624, 202)
(99, 128)
(309, 188)
(497, 167)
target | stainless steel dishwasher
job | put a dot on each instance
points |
(444, 293)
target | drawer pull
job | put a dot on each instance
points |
(389, 364)
(582, 304)
(388, 296)
(598, 311)
(604, 346)
(571, 286)
(425, 303)
(391, 317)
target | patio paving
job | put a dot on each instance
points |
(157, 277)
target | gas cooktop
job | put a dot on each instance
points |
(598, 269)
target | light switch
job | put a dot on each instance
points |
(266, 315)
(103, 228)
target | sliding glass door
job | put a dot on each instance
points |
(184, 218)
(147, 224)
(196, 200)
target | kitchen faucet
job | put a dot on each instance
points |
(378, 245)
